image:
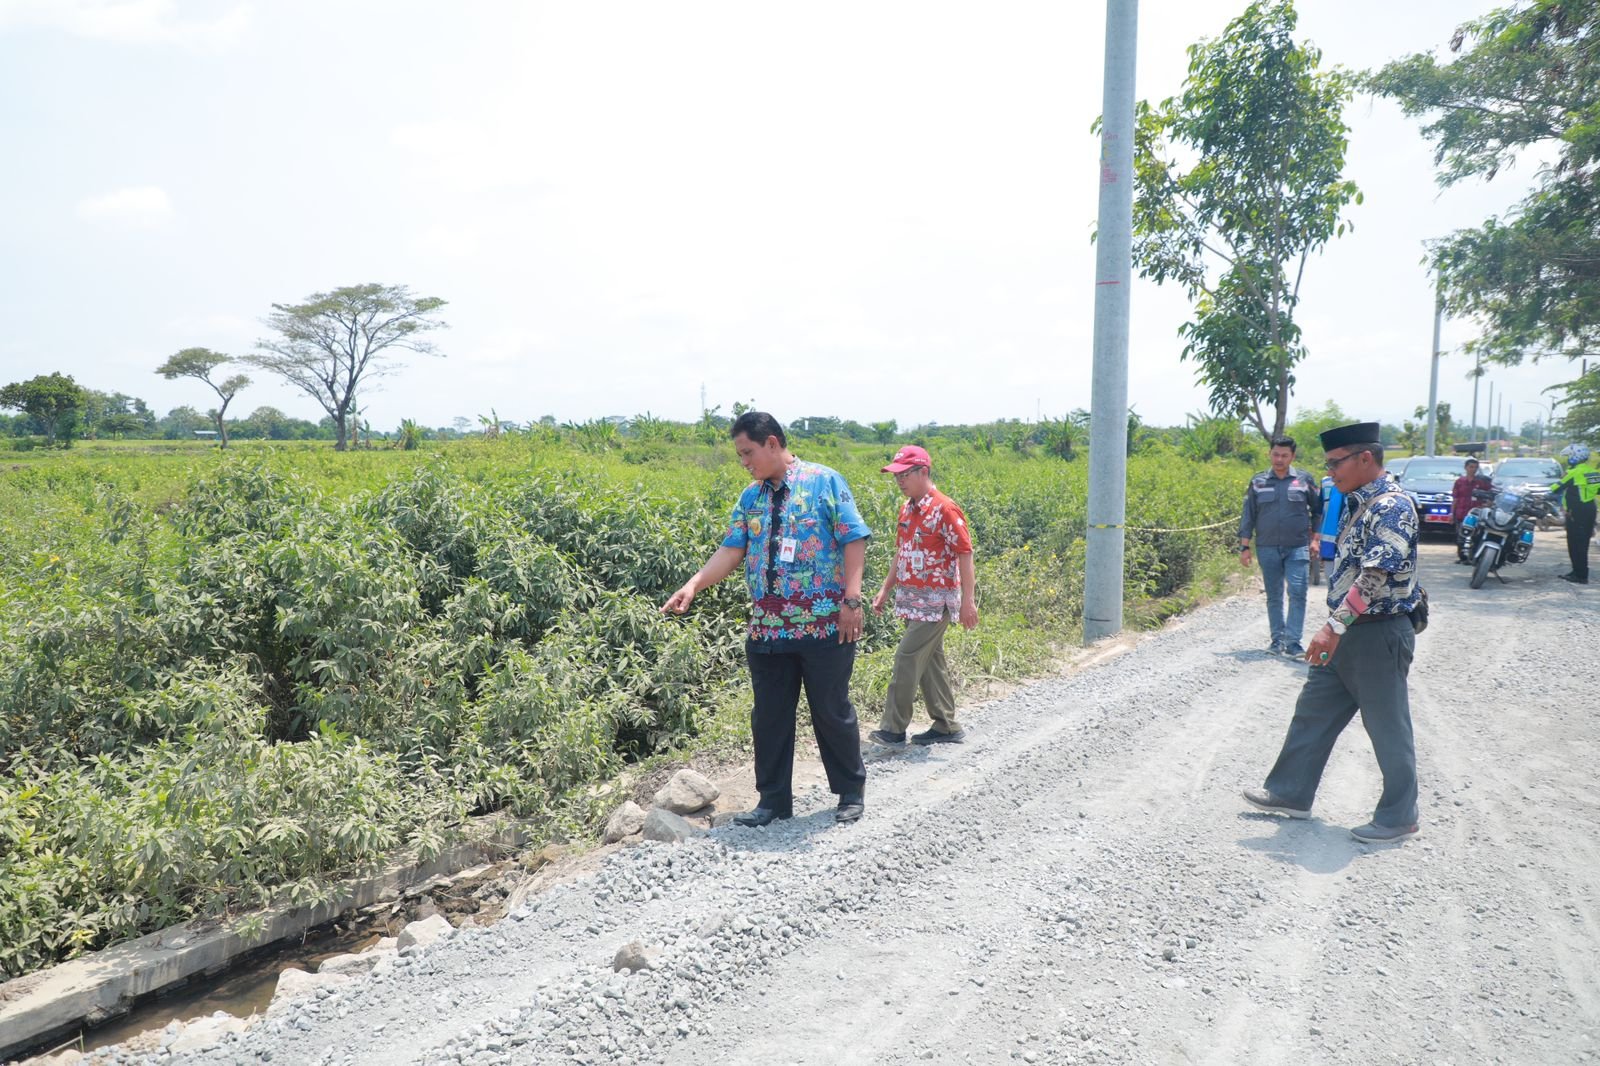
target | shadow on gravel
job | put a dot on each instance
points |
(792, 835)
(876, 753)
(1257, 655)
(1313, 845)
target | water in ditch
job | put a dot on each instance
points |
(245, 988)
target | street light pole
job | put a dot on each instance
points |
(1108, 404)
(1433, 377)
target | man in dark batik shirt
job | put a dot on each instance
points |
(1361, 657)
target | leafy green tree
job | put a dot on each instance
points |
(1239, 181)
(269, 423)
(121, 424)
(54, 399)
(336, 342)
(1206, 437)
(883, 432)
(1580, 403)
(181, 422)
(1414, 431)
(1308, 423)
(1526, 79)
(200, 363)
(115, 413)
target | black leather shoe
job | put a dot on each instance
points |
(851, 808)
(1576, 580)
(757, 817)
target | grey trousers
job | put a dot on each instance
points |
(919, 663)
(1368, 672)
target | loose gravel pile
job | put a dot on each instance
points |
(1079, 884)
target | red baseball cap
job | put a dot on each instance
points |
(906, 458)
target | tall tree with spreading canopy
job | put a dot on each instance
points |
(337, 342)
(199, 363)
(1239, 180)
(1526, 79)
(53, 399)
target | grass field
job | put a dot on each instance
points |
(229, 677)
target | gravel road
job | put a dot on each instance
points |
(1082, 884)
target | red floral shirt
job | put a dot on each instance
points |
(929, 536)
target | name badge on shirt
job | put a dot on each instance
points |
(786, 549)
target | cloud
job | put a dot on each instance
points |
(145, 207)
(130, 21)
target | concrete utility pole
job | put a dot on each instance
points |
(1477, 373)
(1433, 378)
(1488, 415)
(1108, 404)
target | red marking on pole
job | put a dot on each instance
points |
(1108, 283)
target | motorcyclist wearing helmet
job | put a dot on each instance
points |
(1577, 490)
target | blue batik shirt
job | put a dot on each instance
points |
(795, 598)
(1384, 541)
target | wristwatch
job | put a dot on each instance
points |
(1337, 626)
(852, 602)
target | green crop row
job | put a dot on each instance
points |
(227, 679)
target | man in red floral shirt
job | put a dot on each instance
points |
(933, 582)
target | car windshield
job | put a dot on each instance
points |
(1432, 468)
(1534, 469)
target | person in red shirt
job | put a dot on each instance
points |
(1461, 497)
(933, 582)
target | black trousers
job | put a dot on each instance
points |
(1580, 527)
(823, 667)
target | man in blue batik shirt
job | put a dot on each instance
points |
(803, 547)
(1361, 657)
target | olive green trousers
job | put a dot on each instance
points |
(919, 663)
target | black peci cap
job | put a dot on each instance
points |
(1345, 436)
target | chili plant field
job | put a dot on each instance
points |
(232, 678)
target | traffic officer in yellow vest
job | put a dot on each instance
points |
(1577, 490)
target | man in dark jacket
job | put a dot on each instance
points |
(1283, 508)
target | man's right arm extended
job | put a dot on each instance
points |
(723, 562)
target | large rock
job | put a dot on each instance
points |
(634, 956)
(424, 932)
(354, 965)
(667, 827)
(687, 791)
(625, 821)
(294, 983)
(204, 1032)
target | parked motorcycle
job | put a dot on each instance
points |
(1501, 531)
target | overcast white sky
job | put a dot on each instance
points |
(872, 209)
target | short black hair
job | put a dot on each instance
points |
(1375, 449)
(1284, 442)
(758, 426)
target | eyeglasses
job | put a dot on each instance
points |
(1333, 464)
(901, 475)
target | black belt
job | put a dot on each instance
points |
(1365, 619)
